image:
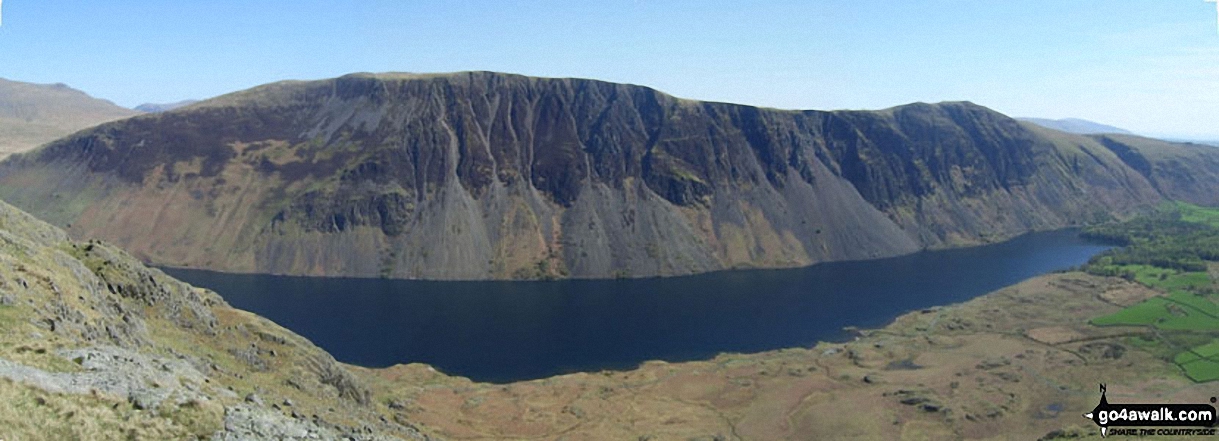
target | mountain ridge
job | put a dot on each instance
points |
(480, 175)
(1077, 126)
(34, 114)
(97, 346)
(163, 107)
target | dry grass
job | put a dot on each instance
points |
(44, 279)
(33, 414)
(1016, 364)
(35, 114)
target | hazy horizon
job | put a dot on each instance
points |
(1148, 66)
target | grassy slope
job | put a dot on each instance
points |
(34, 114)
(1181, 171)
(61, 296)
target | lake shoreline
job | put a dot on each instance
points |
(1019, 362)
(982, 243)
(510, 331)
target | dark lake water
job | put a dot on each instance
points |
(507, 331)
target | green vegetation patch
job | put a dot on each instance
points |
(1147, 313)
(1194, 301)
(1168, 251)
(9, 316)
(1208, 350)
(1185, 358)
(1167, 279)
(1195, 280)
(1197, 214)
(1202, 370)
(1201, 363)
(1182, 317)
(1166, 314)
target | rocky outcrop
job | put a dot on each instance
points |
(482, 175)
(145, 382)
(87, 332)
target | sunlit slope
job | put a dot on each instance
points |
(34, 114)
(489, 176)
(94, 345)
(1181, 171)
(1076, 126)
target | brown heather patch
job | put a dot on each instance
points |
(1003, 366)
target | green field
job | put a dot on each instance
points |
(1149, 312)
(1186, 357)
(1201, 304)
(1202, 370)
(1196, 214)
(1200, 363)
(1170, 314)
(1168, 252)
(1163, 278)
(1207, 350)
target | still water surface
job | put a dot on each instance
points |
(507, 331)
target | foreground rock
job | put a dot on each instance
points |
(97, 346)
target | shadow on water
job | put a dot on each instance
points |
(508, 331)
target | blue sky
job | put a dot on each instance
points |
(1151, 66)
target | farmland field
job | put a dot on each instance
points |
(1169, 252)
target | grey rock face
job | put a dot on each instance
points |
(245, 422)
(481, 175)
(144, 381)
(92, 333)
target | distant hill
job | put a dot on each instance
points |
(1077, 126)
(1212, 143)
(34, 114)
(482, 175)
(158, 108)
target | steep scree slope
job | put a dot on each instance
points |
(483, 175)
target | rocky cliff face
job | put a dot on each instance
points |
(483, 175)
